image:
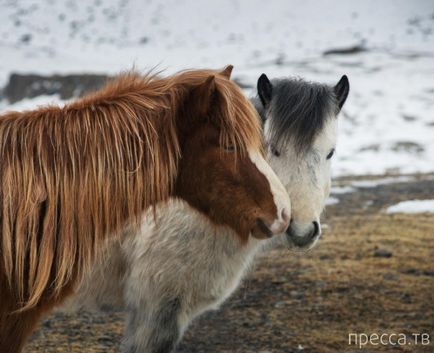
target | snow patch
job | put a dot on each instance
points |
(412, 206)
(338, 190)
(383, 181)
(332, 201)
(31, 103)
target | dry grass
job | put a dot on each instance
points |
(347, 289)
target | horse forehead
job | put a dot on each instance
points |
(274, 185)
(267, 129)
(256, 158)
(327, 136)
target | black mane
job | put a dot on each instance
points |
(298, 111)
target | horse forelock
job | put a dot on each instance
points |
(298, 112)
(234, 115)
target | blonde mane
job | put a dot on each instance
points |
(72, 176)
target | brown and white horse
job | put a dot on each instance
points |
(73, 177)
(180, 264)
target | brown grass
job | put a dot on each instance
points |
(347, 289)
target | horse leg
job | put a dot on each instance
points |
(155, 331)
(16, 328)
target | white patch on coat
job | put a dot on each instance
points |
(280, 195)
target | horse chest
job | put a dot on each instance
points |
(197, 264)
(220, 272)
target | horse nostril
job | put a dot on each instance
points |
(316, 230)
(260, 223)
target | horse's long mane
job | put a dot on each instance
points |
(72, 176)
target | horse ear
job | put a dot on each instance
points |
(341, 90)
(265, 89)
(202, 95)
(227, 71)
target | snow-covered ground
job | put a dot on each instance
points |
(412, 206)
(331, 201)
(387, 124)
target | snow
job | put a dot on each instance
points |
(382, 181)
(387, 124)
(332, 201)
(31, 103)
(412, 206)
(338, 190)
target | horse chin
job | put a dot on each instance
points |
(301, 243)
(261, 231)
(259, 234)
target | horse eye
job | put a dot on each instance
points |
(230, 148)
(274, 151)
(331, 153)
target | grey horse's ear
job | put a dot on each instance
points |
(265, 89)
(341, 90)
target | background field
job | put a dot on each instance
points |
(373, 271)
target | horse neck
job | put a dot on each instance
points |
(219, 241)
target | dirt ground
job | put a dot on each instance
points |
(371, 273)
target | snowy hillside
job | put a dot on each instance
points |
(387, 124)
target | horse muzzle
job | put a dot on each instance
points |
(264, 229)
(303, 236)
